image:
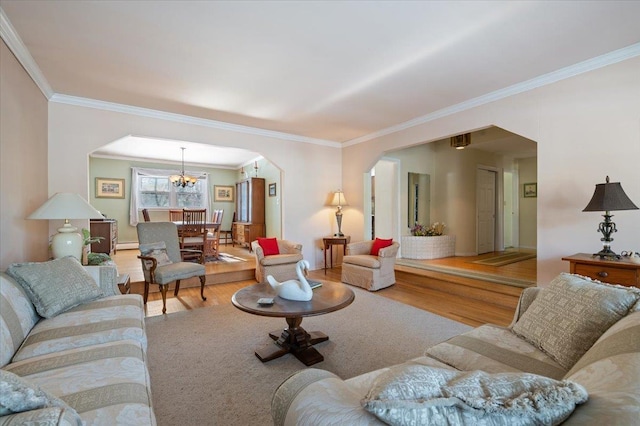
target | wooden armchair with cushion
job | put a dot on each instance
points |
(277, 258)
(363, 268)
(162, 260)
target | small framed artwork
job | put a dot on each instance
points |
(272, 189)
(109, 188)
(530, 190)
(223, 193)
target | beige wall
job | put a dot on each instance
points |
(311, 171)
(23, 163)
(586, 127)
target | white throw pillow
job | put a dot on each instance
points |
(156, 250)
(422, 395)
(18, 395)
(55, 286)
(570, 314)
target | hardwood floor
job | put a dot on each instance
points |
(470, 301)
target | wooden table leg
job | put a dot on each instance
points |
(295, 340)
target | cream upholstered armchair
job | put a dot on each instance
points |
(362, 269)
(281, 266)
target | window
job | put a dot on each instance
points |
(158, 192)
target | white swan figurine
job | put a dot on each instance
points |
(294, 289)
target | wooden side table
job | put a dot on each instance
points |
(329, 242)
(124, 283)
(612, 271)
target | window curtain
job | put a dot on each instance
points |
(136, 172)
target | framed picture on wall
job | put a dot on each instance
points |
(272, 189)
(530, 190)
(223, 193)
(109, 188)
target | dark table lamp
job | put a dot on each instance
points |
(607, 197)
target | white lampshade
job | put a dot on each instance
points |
(66, 206)
(338, 199)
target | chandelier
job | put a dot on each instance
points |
(460, 141)
(182, 180)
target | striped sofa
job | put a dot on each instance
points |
(92, 357)
(609, 370)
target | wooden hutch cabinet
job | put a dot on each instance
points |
(250, 206)
(108, 230)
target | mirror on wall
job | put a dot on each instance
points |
(419, 196)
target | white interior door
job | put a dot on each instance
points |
(486, 205)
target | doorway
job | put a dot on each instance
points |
(486, 208)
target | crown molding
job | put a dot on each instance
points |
(15, 44)
(186, 119)
(543, 80)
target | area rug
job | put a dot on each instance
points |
(505, 259)
(204, 371)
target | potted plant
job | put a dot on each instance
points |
(89, 258)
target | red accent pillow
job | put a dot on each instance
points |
(380, 243)
(269, 246)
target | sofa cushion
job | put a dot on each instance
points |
(181, 270)
(365, 260)
(379, 243)
(269, 246)
(17, 317)
(18, 395)
(56, 285)
(570, 314)
(281, 259)
(416, 394)
(495, 349)
(106, 383)
(104, 320)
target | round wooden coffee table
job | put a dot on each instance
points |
(329, 297)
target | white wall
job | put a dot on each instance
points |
(23, 164)
(311, 171)
(586, 127)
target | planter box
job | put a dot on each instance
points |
(428, 247)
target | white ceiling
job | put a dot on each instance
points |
(337, 71)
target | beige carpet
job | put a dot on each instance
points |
(203, 370)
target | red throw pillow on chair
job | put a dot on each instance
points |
(380, 243)
(269, 246)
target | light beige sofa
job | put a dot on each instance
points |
(609, 368)
(86, 364)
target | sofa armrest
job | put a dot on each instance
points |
(391, 251)
(106, 277)
(257, 250)
(311, 391)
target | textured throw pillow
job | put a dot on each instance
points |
(378, 244)
(423, 395)
(55, 286)
(18, 395)
(156, 250)
(269, 246)
(570, 314)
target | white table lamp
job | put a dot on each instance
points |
(66, 206)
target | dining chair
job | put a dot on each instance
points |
(194, 232)
(212, 243)
(176, 215)
(145, 214)
(161, 259)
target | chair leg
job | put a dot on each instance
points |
(146, 291)
(175, 292)
(203, 278)
(163, 290)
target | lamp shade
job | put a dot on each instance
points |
(609, 196)
(66, 206)
(338, 199)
